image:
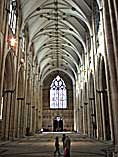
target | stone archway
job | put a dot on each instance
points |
(20, 103)
(103, 116)
(48, 114)
(8, 93)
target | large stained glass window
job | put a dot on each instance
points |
(58, 95)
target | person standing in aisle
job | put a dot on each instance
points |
(67, 145)
(63, 140)
(57, 146)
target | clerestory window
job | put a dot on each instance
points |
(12, 16)
(58, 94)
(1, 108)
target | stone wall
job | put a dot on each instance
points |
(49, 116)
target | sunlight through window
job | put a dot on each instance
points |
(58, 96)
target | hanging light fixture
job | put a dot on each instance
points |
(22, 61)
(12, 42)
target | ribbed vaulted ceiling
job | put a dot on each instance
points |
(58, 29)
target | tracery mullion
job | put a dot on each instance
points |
(58, 94)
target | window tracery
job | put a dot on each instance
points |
(58, 96)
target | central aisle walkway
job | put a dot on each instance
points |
(42, 145)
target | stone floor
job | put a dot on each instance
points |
(42, 145)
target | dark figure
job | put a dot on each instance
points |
(63, 140)
(67, 147)
(57, 146)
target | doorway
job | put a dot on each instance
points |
(57, 124)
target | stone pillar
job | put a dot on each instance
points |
(20, 117)
(85, 108)
(37, 119)
(114, 26)
(89, 119)
(80, 112)
(3, 50)
(1, 14)
(40, 106)
(92, 118)
(81, 119)
(2, 19)
(115, 2)
(74, 104)
(18, 66)
(107, 77)
(79, 124)
(112, 69)
(102, 89)
(99, 116)
(23, 122)
(85, 118)
(28, 118)
(103, 116)
(33, 119)
(77, 105)
(7, 114)
(78, 120)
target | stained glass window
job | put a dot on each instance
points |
(12, 16)
(58, 96)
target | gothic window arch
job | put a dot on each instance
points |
(58, 94)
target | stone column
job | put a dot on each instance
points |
(102, 90)
(33, 119)
(40, 106)
(77, 105)
(79, 123)
(81, 119)
(85, 108)
(99, 116)
(94, 125)
(28, 118)
(23, 122)
(2, 19)
(107, 77)
(4, 50)
(74, 104)
(92, 117)
(37, 119)
(86, 117)
(114, 31)
(103, 115)
(89, 119)
(80, 111)
(7, 112)
(18, 65)
(20, 116)
(115, 2)
(112, 68)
